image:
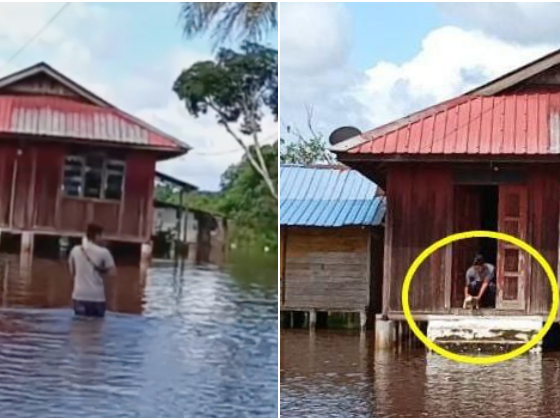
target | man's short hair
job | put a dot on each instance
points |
(93, 231)
(478, 259)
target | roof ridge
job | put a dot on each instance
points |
(395, 125)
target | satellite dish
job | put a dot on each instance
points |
(343, 133)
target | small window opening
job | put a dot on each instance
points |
(93, 176)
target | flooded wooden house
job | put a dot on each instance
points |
(486, 160)
(331, 241)
(68, 158)
(183, 233)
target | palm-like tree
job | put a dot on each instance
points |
(248, 20)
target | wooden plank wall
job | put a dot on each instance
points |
(420, 209)
(136, 219)
(48, 182)
(544, 197)
(327, 268)
(39, 205)
(7, 160)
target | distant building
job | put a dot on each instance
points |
(68, 157)
(331, 240)
(180, 232)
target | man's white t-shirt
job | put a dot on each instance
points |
(88, 282)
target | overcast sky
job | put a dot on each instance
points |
(129, 54)
(366, 64)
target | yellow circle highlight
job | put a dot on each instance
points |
(487, 360)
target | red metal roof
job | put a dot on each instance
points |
(53, 116)
(508, 124)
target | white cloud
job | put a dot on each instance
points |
(314, 35)
(451, 61)
(314, 72)
(520, 22)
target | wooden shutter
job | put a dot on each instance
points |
(512, 261)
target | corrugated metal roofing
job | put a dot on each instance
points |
(329, 197)
(44, 115)
(509, 124)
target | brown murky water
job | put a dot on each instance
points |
(337, 374)
(200, 343)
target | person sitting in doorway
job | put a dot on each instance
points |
(89, 264)
(481, 284)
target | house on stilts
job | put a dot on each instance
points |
(67, 158)
(486, 160)
(331, 243)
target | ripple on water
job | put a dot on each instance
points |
(339, 375)
(200, 344)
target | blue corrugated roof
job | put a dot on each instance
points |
(328, 196)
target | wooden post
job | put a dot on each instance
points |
(312, 319)
(145, 256)
(26, 256)
(363, 320)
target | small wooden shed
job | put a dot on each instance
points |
(331, 242)
(488, 159)
(68, 157)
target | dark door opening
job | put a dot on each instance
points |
(476, 208)
(489, 221)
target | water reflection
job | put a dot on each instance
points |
(337, 374)
(196, 344)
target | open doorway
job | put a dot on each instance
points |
(489, 221)
(476, 208)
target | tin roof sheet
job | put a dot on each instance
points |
(509, 124)
(52, 116)
(327, 196)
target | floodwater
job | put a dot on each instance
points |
(199, 344)
(337, 374)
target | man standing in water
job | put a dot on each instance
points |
(480, 282)
(90, 263)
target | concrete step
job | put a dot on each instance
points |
(483, 334)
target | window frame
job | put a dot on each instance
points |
(105, 173)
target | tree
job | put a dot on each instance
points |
(239, 88)
(305, 150)
(243, 199)
(249, 20)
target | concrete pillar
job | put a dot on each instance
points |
(312, 319)
(385, 334)
(145, 256)
(363, 320)
(26, 255)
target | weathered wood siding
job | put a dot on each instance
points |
(424, 205)
(31, 198)
(419, 211)
(326, 268)
(544, 196)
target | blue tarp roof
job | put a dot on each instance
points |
(328, 196)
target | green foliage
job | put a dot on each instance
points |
(247, 202)
(304, 149)
(167, 193)
(243, 199)
(237, 86)
(248, 20)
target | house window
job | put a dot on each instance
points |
(93, 176)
